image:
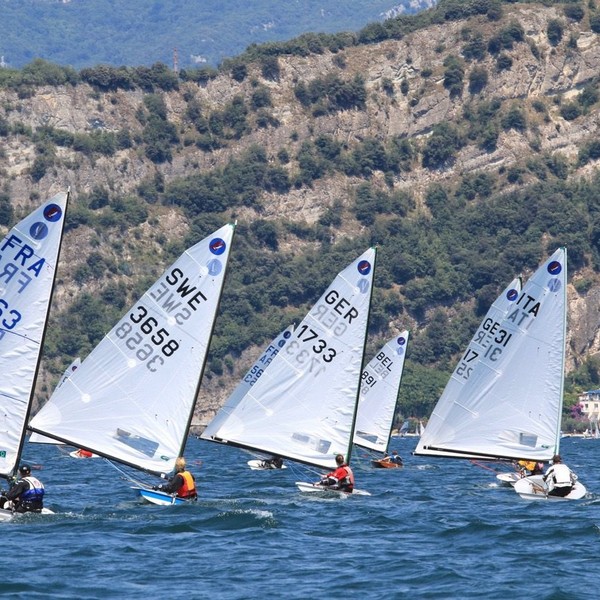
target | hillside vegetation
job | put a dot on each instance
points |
(462, 141)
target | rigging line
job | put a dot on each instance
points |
(126, 475)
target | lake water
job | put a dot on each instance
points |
(437, 528)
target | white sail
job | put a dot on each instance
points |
(380, 383)
(245, 385)
(36, 438)
(479, 344)
(132, 398)
(510, 406)
(303, 406)
(28, 260)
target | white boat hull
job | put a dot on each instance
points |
(77, 454)
(9, 515)
(534, 488)
(258, 465)
(312, 488)
(508, 478)
(160, 498)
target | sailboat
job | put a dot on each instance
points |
(303, 407)
(379, 387)
(403, 431)
(245, 385)
(510, 406)
(132, 399)
(28, 260)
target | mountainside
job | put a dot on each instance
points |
(466, 147)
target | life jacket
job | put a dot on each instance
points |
(347, 483)
(188, 489)
(35, 494)
(561, 474)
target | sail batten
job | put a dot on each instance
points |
(132, 398)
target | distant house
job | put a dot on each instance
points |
(590, 404)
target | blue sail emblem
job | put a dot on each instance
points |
(512, 295)
(217, 246)
(554, 285)
(401, 340)
(214, 267)
(364, 267)
(52, 213)
(38, 231)
(554, 268)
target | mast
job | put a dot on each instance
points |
(562, 370)
(30, 250)
(43, 338)
(212, 329)
(303, 405)
(364, 346)
(132, 399)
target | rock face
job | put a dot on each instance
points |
(406, 97)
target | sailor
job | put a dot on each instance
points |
(182, 483)
(340, 479)
(559, 478)
(395, 458)
(84, 453)
(275, 462)
(26, 495)
(530, 467)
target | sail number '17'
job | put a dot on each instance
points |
(150, 343)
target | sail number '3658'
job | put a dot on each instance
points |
(150, 343)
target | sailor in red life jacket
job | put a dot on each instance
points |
(182, 483)
(340, 479)
(26, 495)
(84, 453)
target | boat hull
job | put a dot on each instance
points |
(9, 515)
(311, 488)
(534, 488)
(160, 498)
(258, 465)
(508, 478)
(77, 454)
(385, 464)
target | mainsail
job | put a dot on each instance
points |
(303, 406)
(509, 406)
(250, 378)
(28, 260)
(379, 387)
(133, 397)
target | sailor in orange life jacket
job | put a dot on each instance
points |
(340, 479)
(182, 483)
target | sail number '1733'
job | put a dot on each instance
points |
(150, 343)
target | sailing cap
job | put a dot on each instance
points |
(25, 469)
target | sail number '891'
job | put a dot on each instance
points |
(150, 343)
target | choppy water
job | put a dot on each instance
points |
(436, 529)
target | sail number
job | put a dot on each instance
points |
(9, 317)
(150, 343)
(382, 368)
(307, 335)
(492, 338)
(305, 356)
